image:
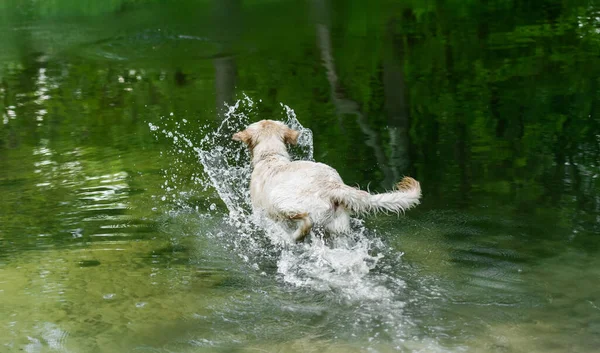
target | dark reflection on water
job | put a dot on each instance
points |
(493, 106)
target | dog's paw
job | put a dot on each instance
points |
(408, 183)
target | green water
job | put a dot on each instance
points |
(113, 240)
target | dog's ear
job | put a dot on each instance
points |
(291, 136)
(243, 136)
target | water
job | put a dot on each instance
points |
(125, 223)
(341, 268)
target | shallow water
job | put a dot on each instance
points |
(125, 222)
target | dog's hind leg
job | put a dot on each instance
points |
(339, 223)
(304, 227)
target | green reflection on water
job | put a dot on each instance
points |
(493, 106)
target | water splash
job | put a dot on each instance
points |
(321, 265)
(347, 269)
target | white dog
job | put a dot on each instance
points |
(306, 192)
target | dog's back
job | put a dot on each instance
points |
(288, 188)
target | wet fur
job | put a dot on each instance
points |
(309, 193)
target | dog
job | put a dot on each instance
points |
(309, 193)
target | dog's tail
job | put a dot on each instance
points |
(406, 195)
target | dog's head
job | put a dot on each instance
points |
(265, 130)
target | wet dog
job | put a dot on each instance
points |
(309, 193)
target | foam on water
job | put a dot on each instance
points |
(345, 268)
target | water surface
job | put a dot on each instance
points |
(124, 222)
